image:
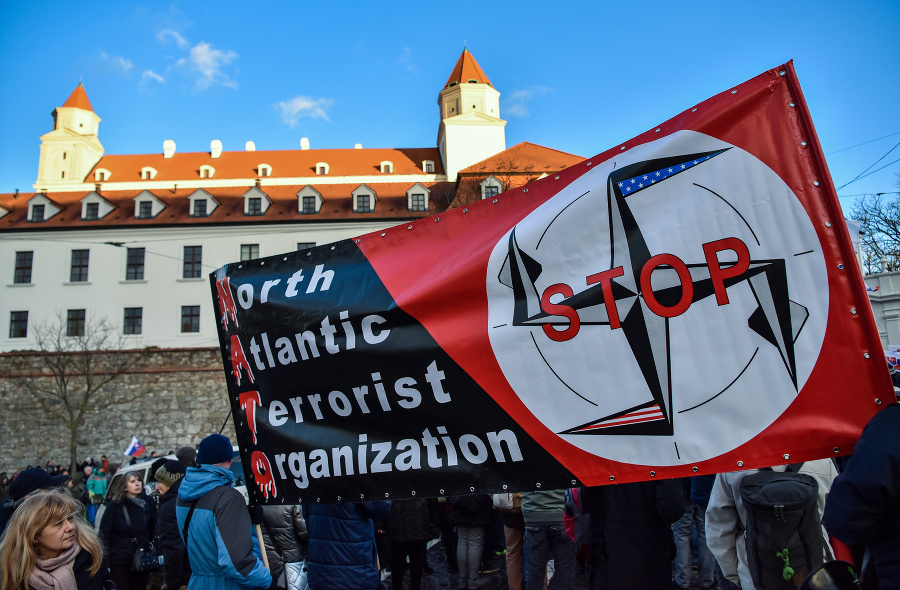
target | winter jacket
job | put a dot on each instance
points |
(221, 542)
(176, 567)
(726, 514)
(284, 534)
(116, 533)
(96, 484)
(471, 510)
(543, 508)
(631, 535)
(863, 507)
(342, 552)
(409, 520)
(82, 569)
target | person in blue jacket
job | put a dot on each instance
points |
(341, 554)
(221, 542)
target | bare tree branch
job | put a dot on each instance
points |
(879, 224)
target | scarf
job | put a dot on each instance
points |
(55, 573)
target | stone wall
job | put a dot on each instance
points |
(173, 397)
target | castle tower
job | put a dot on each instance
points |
(72, 148)
(471, 129)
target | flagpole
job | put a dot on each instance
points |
(221, 430)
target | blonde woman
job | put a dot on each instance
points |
(48, 545)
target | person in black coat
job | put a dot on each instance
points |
(631, 536)
(471, 514)
(176, 567)
(122, 534)
(408, 530)
(863, 505)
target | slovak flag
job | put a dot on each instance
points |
(135, 449)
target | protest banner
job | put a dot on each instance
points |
(687, 302)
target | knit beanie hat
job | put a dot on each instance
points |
(215, 448)
(170, 472)
(187, 455)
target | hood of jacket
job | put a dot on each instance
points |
(198, 481)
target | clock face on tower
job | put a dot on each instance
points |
(655, 294)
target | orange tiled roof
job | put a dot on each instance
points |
(284, 163)
(391, 203)
(525, 155)
(79, 99)
(467, 69)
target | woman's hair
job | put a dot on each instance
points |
(18, 546)
(119, 488)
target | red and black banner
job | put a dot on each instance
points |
(687, 302)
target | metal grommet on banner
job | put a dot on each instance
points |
(318, 499)
(537, 484)
(333, 247)
(413, 492)
(240, 266)
(437, 218)
(622, 149)
(263, 263)
(574, 483)
(652, 474)
(612, 478)
(791, 105)
(310, 253)
(865, 355)
(589, 163)
(734, 91)
(840, 267)
(556, 177)
(853, 310)
(338, 498)
(382, 234)
(466, 210)
(827, 224)
(357, 240)
(877, 401)
(387, 495)
(361, 496)
(408, 227)
(442, 492)
(504, 486)
(285, 258)
(837, 450)
(525, 190)
(657, 130)
(471, 488)
(815, 183)
(695, 469)
(694, 110)
(740, 463)
(803, 143)
(781, 73)
(786, 457)
(495, 200)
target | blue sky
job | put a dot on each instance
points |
(580, 77)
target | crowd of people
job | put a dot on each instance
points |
(190, 528)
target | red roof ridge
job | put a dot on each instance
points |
(79, 99)
(482, 166)
(467, 69)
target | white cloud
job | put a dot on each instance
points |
(118, 63)
(209, 63)
(406, 59)
(165, 35)
(516, 103)
(151, 75)
(303, 106)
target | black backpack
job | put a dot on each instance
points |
(783, 535)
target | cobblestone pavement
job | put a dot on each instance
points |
(441, 579)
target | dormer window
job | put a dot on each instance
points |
(428, 166)
(387, 167)
(145, 210)
(417, 197)
(309, 200)
(202, 204)
(207, 171)
(148, 173)
(254, 206)
(490, 187)
(264, 170)
(41, 208)
(321, 168)
(91, 211)
(256, 202)
(101, 175)
(363, 199)
(37, 213)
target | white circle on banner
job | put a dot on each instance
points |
(657, 390)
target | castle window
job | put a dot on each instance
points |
(145, 209)
(148, 173)
(91, 211)
(64, 155)
(18, 324)
(134, 319)
(193, 261)
(22, 274)
(321, 168)
(199, 208)
(309, 205)
(490, 187)
(305, 245)
(207, 171)
(428, 166)
(249, 252)
(417, 202)
(254, 206)
(264, 170)
(75, 322)
(190, 318)
(78, 272)
(362, 204)
(387, 167)
(62, 174)
(134, 264)
(37, 213)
